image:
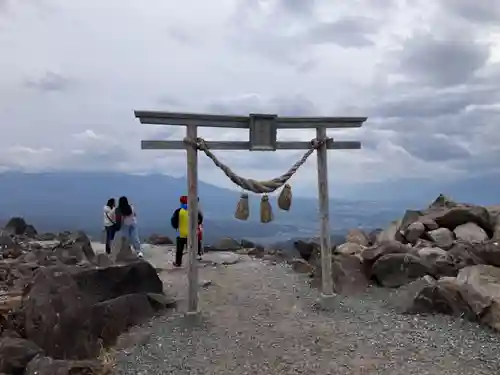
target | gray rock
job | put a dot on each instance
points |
(223, 258)
(414, 231)
(350, 248)
(443, 296)
(391, 233)
(432, 252)
(121, 250)
(371, 254)
(428, 223)
(442, 237)
(470, 232)
(480, 288)
(394, 270)
(409, 218)
(6, 242)
(357, 236)
(226, 244)
(453, 217)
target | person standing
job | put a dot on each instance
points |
(128, 218)
(180, 222)
(109, 223)
(200, 232)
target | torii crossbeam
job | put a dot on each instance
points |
(262, 137)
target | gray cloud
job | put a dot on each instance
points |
(442, 62)
(276, 34)
(50, 81)
(435, 103)
(297, 7)
(346, 32)
(481, 12)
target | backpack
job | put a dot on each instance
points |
(117, 223)
(174, 220)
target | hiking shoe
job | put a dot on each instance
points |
(140, 255)
(177, 265)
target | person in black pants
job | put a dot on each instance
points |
(180, 222)
(109, 223)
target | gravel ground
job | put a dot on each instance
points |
(259, 318)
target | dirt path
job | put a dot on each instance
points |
(260, 319)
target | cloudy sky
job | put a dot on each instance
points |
(426, 73)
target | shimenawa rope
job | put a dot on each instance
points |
(249, 184)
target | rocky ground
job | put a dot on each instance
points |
(62, 305)
(259, 317)
(420, 297)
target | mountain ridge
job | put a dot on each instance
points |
(54, 201)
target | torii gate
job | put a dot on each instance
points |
(262, 137)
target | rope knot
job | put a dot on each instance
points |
(316, 143)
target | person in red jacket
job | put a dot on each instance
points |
(200, 233)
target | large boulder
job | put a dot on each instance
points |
(246, 244)
(121, 250)
(348, 275)
(414, 231)
(350, 248)
(405, 295)
(488, 252)
(30, 231)
(16, 225)
(453, 217)
(6, 242)
(75, 246)
(409, 218)
(443, 296)
(371, 254)
(431, 253)
(15, 353)
(305, 249)
(443, 201)
(470, 232)
(373, 235)
(69, 311)
(391, 233)
(442, 237)
(394, 270)
(473, 294)
(494, 212)
(429, 224)
(480, 288)
(226, 244)
(157, 239)
(357, 236)
(466, 254)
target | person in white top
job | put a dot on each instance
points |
(126, 215)
(109, 223)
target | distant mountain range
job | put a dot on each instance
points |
(480, 188)
(74, 200)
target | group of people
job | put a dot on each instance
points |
(121, 220)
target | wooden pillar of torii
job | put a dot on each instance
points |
(262, 137)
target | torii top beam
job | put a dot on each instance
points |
(243, 122)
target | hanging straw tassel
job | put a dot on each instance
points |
(285, 198)
(242, 209)
(266, 211)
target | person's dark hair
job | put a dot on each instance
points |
(111, 203)
(124, 206)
